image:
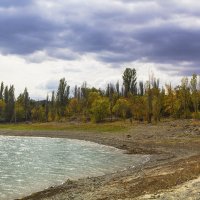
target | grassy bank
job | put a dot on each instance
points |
(56, 126)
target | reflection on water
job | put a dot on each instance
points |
(31, 164)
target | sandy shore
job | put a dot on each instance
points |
(175, 150)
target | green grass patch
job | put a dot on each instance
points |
(56, 126)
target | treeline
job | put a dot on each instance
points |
(143, 101)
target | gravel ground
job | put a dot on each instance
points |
(172, 173)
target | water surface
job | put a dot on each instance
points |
(30, 164)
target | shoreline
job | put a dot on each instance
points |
(167, 157)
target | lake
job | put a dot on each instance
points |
(30, 164)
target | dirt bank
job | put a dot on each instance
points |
(175, 146)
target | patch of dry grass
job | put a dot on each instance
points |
(56, 126)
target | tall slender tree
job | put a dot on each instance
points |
(26, 104)
(10, 104)
(1, 90)
(129, 81)
(185, 96)
(195, 99)
(62, 96)
(141, 88)
(47, 109)
(117, 88)
(53, 106)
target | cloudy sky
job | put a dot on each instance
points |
(42, 41)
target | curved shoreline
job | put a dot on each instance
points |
(170, 150)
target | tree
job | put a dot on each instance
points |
(2, 108)
(185, 97)
(62, 97)
(53, 107)
(6, 94)
(92, 97)
(130, 81)
(1, 90)
(23, 106)
(100, 109)
(38, 113)
(121, 108)
(19, 111)
(117, 88)
(195, 99)
(47, 109)
(26, 104)
(149, 97)
(137, 104)
(141, 88)
(113, 94)
(75, 91)
(74, 107)
(156, 100)
(169, 101)
(9, 104)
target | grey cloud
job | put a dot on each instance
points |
(25, 34)
(114, 33)
(15, 3)
(169, 44)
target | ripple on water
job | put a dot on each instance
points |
(29, 164)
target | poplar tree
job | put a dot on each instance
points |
(185, 96)
(129, 81)
(26, 103)
(47, 109)
(117, 88)
(1, 90)
(62, 96)
(9, 103)
(149, 102)
(141, 88)
(195, 100)
(53, 106)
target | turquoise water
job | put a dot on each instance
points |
(30, 164)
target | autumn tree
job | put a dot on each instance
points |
(121, 108)
(23, 109)
(113, 95)
(38, 113)
(74, 107)
(100, 109)
(169, 101)
(2, 108)
(137, 106)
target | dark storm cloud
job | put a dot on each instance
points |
(25, 34)
(114, 32)
(169, 44)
